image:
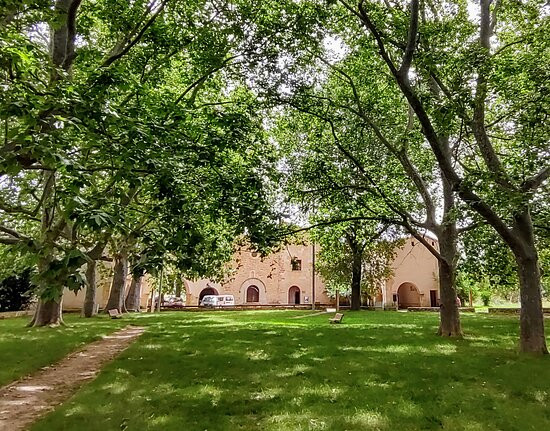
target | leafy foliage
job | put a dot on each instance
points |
(16, 291)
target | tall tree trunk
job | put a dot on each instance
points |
(89, 307)
(48, 311)
(116, 295)
(532, 338)
(449, 322)
(179, 285)
(133, 299)
(356, 280)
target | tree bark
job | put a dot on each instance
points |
(116, 295)
(133, 299)
(449, 322)
(179, 285)
(532, 338)
(89, 306)
(48, 312)
(356, 281)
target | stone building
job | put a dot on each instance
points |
(415, 280)
(282, 278)
(286, 278)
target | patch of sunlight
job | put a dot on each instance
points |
(445, 349)
(398, 348)
(159, 420)
(290, 419)
(272, 333)
(393, 325)
(368, 418)
(317, 424)
(296, 370)
(303, 351)
(352, 348)
(375, 384)
(244, 341)
(266, 394)
(165, 388)
(410, 409)
(324, 391)
(209, 391)
(74, 410)
(470, 426)
(115, 388)
(104, 409)
(257, 355)
(540, 396)
(480, 338)
(152, 346)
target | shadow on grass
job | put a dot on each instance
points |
(264, 371)
(24, 350)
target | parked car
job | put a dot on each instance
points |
(218, 301)
(173, 302)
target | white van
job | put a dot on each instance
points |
(218, 301)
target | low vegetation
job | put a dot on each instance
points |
(285, 370)
(24, 350)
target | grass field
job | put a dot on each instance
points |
(266, 370)
(24, 350)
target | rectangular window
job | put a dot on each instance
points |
(296, 264)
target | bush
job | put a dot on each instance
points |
(16, 292)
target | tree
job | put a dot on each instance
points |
(87, 130)
(377, 150)
(502, 121)
(353, 258)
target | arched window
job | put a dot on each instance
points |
(252, 294)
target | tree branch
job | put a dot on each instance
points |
(534, 182)
(411, 42)
(119, 52)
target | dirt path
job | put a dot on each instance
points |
(26, 400)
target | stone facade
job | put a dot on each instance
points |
(282, 278)
(286, 278)
(415, 278)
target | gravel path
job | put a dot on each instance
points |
(26, 400)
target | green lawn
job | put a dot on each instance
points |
(265, 370)
(24, 350)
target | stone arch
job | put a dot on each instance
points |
(408, 295)
(258, 284)
(207, 291)
(294, 295)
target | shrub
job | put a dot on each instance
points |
(16, 291)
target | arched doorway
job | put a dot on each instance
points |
(252, 294)
(294, 295)
(207, 291)
(408, 295)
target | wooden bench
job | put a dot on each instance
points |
(114, 314)
(337, 318)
